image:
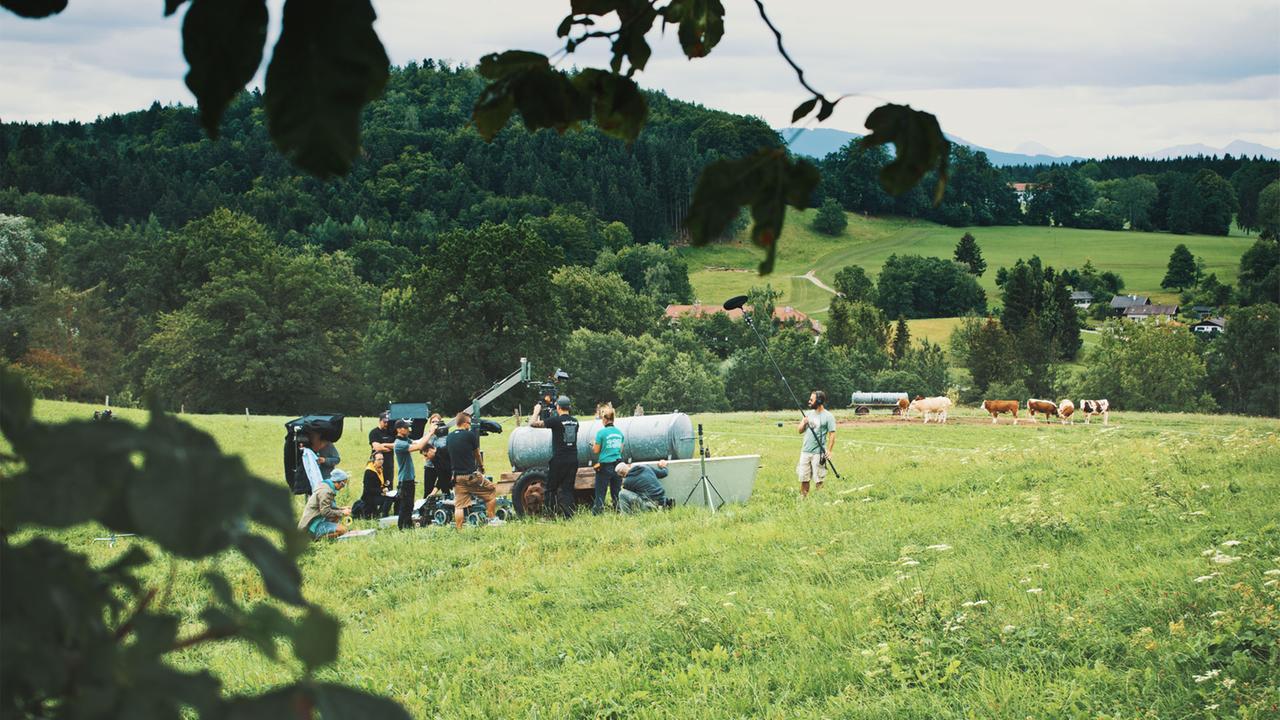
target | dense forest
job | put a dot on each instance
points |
(139, 257)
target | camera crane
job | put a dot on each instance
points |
(522, 376)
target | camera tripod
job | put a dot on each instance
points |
(704, 481)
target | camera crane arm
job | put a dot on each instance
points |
(523, 375)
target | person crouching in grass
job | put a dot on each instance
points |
(321, 516)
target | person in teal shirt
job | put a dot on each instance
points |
(608, 449)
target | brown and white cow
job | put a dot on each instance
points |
(1044, 407)
(1065, 409)
(996, 407)
(903, 404)
(932, 406)
(1096, 407)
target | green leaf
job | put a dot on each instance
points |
(338, 702)
(595, 7)
(34, 8)
(919, 146)
(618, 106)
(285, 703)
(263, 625)
(803, 109)
(496, 66)
(767, 181)
(171, 6)
(221, 588)
(222, 41)
(315, 640)
(278, 571)
(701, 24)
(828, 107)
(327, 65)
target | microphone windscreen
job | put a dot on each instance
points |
(736, 302)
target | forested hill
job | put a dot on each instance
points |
(425, 169)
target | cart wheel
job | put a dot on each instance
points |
(440, 517)
(527, 494)
(862, 410)
(475, 516)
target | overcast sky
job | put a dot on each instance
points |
(1090, 77)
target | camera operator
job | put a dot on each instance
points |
(641, 490)
(438, 471)
(819, 430)
(564, 454)
(381, 440)
(468, 472)
(406, 477)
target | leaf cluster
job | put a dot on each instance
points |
(84, 641)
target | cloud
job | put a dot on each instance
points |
(1087, 77)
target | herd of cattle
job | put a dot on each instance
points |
(935, 408)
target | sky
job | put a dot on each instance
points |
(1088, 78)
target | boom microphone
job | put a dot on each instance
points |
(736, 302)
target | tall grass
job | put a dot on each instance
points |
(956, 571)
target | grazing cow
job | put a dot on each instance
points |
(934, 406)
(1096, 407)
(995, 407)
(903, 404)
(1065, 408)
(1044, 407)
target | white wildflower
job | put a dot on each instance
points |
(1024, 581)
(1207, 553)
(860, 488)
(1211, 707)
(1034, 591)
(973, 603)
(1269, 583)
(908, 562)
(1008, 628)
(727, 604)
(1207, 676)
(1217, 613)
(1204, 487)
(867, 499)
(1205, 578)
(1230, 543)
(1275, 571)
(1221, 559)
(941, 547)
(1228, 683)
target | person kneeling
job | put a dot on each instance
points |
(321, 517)
(641, 490)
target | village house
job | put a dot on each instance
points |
(1210, 326)
(1160, 313)
(1120, 303)
(1082, 299)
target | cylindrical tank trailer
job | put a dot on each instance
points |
(648, 438)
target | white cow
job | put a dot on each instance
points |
(1096, 407)
(931, 406)
(1065, 409)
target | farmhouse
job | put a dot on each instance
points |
(785, 314)
(1210, 326)
(1202, 311)
(1082, 299)
(1161, 313)
(1120, 302)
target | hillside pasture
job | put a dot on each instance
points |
(1140, 258)
(956, 571)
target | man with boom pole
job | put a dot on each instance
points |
(820, 445)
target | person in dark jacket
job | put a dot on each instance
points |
(641, 489)
(562, 475)
(373, 502)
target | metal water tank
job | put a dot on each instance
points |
(648, 438)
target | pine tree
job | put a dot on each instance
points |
(901, 340)
(1018, 298)
(1067, 330)
(1182, 269)
(968, 253)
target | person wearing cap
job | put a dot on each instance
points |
(563, 472)
(640, 487)
(381, 439)
(321, 517)
(468, 472)
(406, 479)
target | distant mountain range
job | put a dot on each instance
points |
(819, 142)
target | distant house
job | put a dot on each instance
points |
(1021, 190)
(1160, 313)
(1210, 326)
(1120, 302)
(1202, 311)
(785, 314)
(1082, 299)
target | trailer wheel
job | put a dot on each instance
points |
(527, 493)
(440, 517)
(862, 410)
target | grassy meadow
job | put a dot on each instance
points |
(723, 270)
(957, 571)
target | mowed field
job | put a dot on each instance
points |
(957, 571)
(1140, 258)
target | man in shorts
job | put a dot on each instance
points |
(819, 430)
(468, 472)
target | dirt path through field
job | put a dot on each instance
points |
(811, 277)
